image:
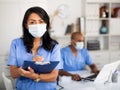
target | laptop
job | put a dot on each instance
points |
(106, 73)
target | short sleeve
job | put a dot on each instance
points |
(12, 54)
(62, 56)
(56, 56)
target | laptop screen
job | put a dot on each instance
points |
(105, 75)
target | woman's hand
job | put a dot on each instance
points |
(29, 73)
(38, 58)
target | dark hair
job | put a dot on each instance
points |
(48, 42)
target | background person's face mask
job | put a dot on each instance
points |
(79, 45)
(37, 30)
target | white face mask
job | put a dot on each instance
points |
(79, 45)
(37, 30)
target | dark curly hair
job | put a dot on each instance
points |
(48, 42)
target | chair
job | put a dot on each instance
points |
(7, 82)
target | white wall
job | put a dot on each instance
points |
(12, 12)
(59, 24)
(8, 24)
(11, 15)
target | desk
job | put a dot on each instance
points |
(69, 84)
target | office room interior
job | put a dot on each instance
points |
(97, 20)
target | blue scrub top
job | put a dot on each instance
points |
(72, 63)
(18, 55)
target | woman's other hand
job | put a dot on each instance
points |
(27, 73)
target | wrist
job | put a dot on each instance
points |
(37, 78)
(72, 75)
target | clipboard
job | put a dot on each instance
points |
(40, 68)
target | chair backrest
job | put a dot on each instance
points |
(7, 82)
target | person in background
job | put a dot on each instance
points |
(75, 57)
(35, 45)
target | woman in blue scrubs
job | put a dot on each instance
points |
(35, 45)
